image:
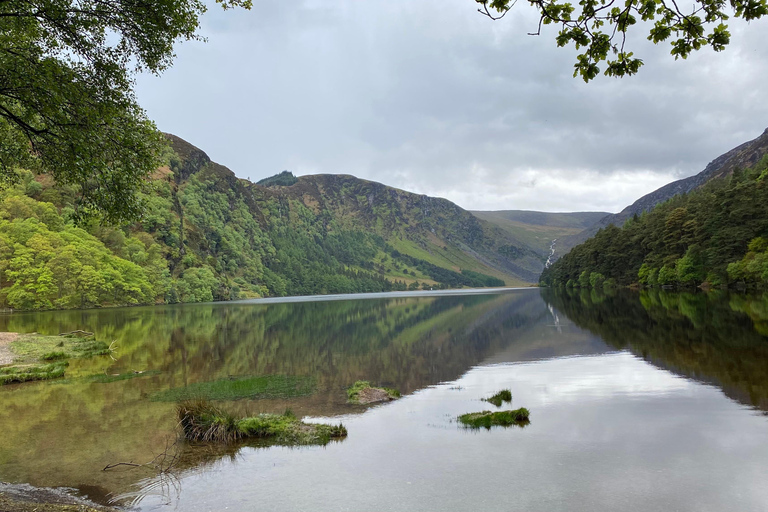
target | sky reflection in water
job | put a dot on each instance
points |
(608, 431)
(639, 402)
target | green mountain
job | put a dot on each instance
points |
(208, 235)
(743, 156)
(715, 234)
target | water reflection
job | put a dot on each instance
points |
(65, 432)
(717, 338)
(605, 376)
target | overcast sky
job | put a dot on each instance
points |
(431, 97)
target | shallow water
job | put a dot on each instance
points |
(638, 402)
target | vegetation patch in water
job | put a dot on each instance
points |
(488, 419)
(36, 347)
(504, 395)
(264, 386)
(361, 392)
(202, 421)
(26, 373)
(38, 357)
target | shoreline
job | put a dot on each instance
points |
(28, 498)
(305, 298)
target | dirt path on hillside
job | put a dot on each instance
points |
(6, 338)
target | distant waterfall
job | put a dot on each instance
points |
(551, 253)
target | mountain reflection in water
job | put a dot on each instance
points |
(556, 350)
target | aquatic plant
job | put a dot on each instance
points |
(52, 356)
(488, 419)
(29, 348)
(26, 373)
(235, 388)
(504, 395)
(362, 392)
(39, 357)
(202, 421)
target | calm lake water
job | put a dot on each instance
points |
(649, 401)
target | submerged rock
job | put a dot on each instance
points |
(362, 392)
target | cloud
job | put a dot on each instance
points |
(432, 97)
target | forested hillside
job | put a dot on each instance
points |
(741, 157)
(716, 234)
(207, 235)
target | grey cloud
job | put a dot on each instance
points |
(426, 95)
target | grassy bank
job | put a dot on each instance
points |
(203, 421)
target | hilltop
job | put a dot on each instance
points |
(744, 156)
(208, 235)
(714, 232)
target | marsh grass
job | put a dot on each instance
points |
(53, 356)
(504, 395)
(39, 357)
(202, 421)
(488, 419)
(36, 347)
(264, 386)
(363, 387)
(26, 373)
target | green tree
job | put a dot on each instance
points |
(67, 105)
(600, 27)
(584, 279)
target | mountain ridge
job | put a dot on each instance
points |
(742, 156)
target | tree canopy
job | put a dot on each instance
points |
(67, 105)
(600, 27)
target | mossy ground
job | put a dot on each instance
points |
(203, 421)
(38, 357)
(263, 386)
(504, 395)
(30, 348)
(358, 392)
(488, 419)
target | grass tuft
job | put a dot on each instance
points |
(52, 356)
(488, 419)
(16, 374)
(264, 386)
(202, 421)
(504, 395)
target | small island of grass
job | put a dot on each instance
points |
(202, 421)
(488, 419)
(31, 357)
(504, 395)
(361, 392)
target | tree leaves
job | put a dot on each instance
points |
(67, 105)
(601, 27)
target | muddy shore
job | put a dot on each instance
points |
(26, 498)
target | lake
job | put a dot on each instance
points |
(638, 401)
